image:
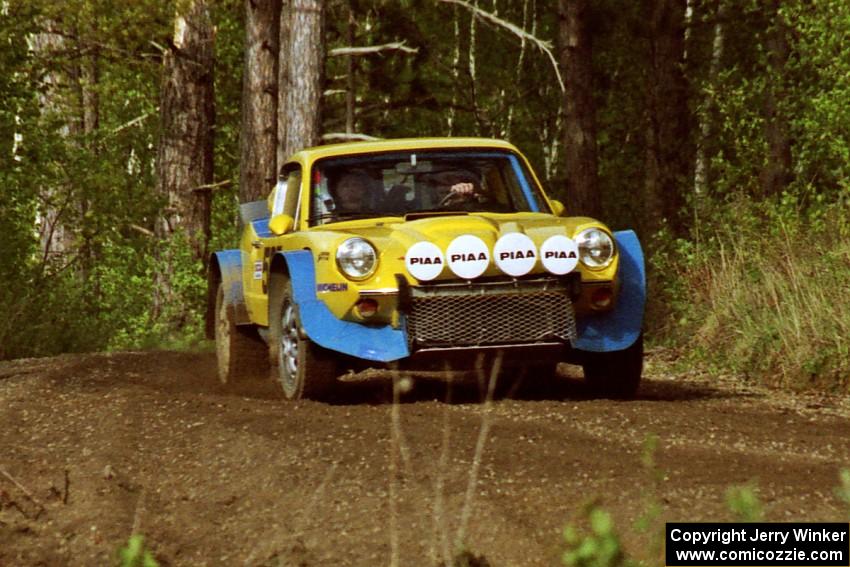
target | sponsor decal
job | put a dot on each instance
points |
(515, 254)
(323, 257)
(468, 256)
(258, 270)
(559, 255)
(327, 287)
(424, 261)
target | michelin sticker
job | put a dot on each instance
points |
(258, 270)
(424, 261)
(515, 254)
(331, 287)
(559, 255)
(468, 256)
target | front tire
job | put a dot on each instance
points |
(303, 369)
(616, 374)
(240, 352)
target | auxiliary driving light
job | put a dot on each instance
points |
(601, 298)
(367, 308)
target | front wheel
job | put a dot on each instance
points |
(304, 370)
(615, 374)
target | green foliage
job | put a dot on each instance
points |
(762, 294)
(134, 554)
(594, 541)
(648, 521)
(93, 191)
(843, 490)
(744, 503)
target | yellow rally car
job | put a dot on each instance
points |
(411, 251)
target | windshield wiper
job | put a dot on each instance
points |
(336, 217)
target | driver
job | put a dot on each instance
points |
(458, 188)
(351, 193)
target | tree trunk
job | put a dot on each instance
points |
(668, 146)
(185, 154)
(579, 111)
(350, 84)
(91, 98)
(306, 75)
(451, 116)
(55, 203)
(707, 147)
(283, 79)
(776, 174)
(258, 169)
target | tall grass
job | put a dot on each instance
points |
(766, 295)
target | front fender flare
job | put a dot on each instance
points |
(370, 342)
(621, 327)
(226, 267)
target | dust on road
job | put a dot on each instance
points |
(96, 447)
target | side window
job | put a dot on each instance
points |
(286, 194)
(293, 191)
(322, 206)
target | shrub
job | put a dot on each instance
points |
(763, 293)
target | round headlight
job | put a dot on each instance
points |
(595, 248)
(356, 258)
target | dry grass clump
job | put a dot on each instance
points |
(772, 301)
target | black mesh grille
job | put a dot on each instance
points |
(482, 319)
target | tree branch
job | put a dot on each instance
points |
(141, 230)
(132, 122)
(369, 50)
(212, 186)
(542, 45)
(347, 137)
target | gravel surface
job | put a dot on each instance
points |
(96, 447)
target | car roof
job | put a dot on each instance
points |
(399, 144)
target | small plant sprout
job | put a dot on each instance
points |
(744, 503)
(134, 553)
(598, 547)
(843, 490)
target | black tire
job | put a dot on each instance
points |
(616, 374)
(240, 352)
(303, 369)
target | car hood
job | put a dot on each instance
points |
(393, 237)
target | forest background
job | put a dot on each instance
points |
(718, 129)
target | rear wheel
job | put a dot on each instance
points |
(304, 369)
(615, 374)
(240, 352)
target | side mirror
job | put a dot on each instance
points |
(281, 224)
(557, 207)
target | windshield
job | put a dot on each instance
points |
(407, 183)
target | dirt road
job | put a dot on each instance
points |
(95, 447)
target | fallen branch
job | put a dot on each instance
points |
(369, 50)
(542, 45)
(23, 489)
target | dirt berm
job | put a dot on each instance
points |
(96, 447)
